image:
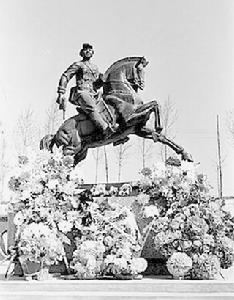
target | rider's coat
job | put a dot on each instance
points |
(86, 74)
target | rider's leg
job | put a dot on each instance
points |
(87, 104)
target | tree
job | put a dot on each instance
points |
(230, 123)
(219, 165)
(97, 155)
(106, 164)
(53, 119)
(121, 152)
(27, 133)
(169, 117)
(145, 147)
(5, 166)
(2, 161)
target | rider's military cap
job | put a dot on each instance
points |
(87, 46)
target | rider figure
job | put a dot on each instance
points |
(84, 94)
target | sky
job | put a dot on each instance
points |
(189, 44)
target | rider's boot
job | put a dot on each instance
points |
(101, 124)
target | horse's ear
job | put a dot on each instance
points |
(142, 61)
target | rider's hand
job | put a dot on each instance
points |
(61, 101)
(101, 77)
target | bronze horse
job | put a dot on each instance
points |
(121, 107)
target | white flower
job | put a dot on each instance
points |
(179, 264)
(109, 259)
(18, 219)
(151, 211)
(159, 171)
(57, 154)
(197, 243)
(138, 265)
(37, 188)
(215, 206)
(72, 216)
(75, 174)
(26, 194)
(121, 263)
(169, 211)
(208, 239)
(52, 183)
(78, 223)
(175, 170)
(74, 202)
(227, 242)
(65, 226)
(175, 223)
(68, 188)
(143, 198)
(39, 201)
(164, 190)
(91, 262)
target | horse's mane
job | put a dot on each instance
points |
(120, 63)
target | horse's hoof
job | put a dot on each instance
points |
(156, 136)
(158, 129)
(187, 157)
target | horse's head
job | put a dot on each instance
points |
(127, 70)
(138, 81)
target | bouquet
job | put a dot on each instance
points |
(38, 243)
(186, 220)
(179, 264)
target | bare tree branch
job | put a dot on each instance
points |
(145, 148)
(53, 119)
(121, 153)
(230, 124)
(106, 163)
(169, 117)
(97, 155)
(26, 131)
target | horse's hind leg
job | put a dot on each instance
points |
(178, 149)
(81, 155)
(156, 137)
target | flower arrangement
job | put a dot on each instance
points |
(112, 248)
(44, 201)
(87, 259)
(50, 211)
(179, 263)
(187, 221)
(40, 243)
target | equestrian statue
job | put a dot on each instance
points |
(107, 116)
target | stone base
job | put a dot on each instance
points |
(153, 288)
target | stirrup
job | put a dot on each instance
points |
(108, 132)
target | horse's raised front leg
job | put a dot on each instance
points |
(157, 137)
(142, 112)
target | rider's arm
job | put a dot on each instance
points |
(66, 76)
(99, 82)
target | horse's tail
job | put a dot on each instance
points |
(47, 142)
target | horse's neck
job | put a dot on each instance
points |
(118, 83)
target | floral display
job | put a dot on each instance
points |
(51, 212)
(191, 229)
(38, 242)
(112, 248)
(179, 263)
(44, 187)
(186, 222)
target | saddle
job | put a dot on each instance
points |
(102, 109)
